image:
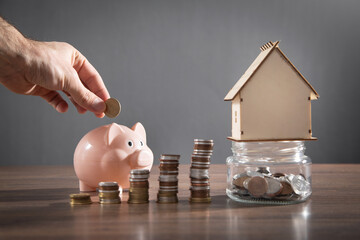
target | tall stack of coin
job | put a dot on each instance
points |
(109, 193)
(139, 186)
(199, 171)
(168, 181)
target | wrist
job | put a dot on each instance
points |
(13, 51)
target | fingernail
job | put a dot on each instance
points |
(99, 105)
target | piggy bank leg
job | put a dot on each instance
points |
(85, 188)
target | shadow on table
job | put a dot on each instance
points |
(47, 194)
(224, 202)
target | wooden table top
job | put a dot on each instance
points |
(34, 204)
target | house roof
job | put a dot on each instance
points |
(266, 49)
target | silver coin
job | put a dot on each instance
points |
(202, 181)
(168, 187)
(199, 173)
(202, 151)
(195, 188)
(200, 163)
(138, 180)
(200, 176)
(254, 174)
(242, 192)
(246, 183)
(169, 190)
(108, 184)
(239, 175)
(201, 156)
(170, 163)
(300, 185)
(167, 172)
(274, 187)
(168, 178)
(195, 165)
(196, 171)
(144, 176)
(108, 191)
(283, 179)
(140, 171)
(289, 177)
(169, 157)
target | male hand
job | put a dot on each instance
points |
(44, 68)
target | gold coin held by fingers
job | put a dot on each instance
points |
(113, 107)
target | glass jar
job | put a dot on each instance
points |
(269, 172)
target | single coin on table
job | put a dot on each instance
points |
(113, 107)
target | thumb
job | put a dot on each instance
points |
(83, 96)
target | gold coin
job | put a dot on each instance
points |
(110, 201)
(168, 194)
(80, 196)
(80, 201)
(113, 107)
(109, 194)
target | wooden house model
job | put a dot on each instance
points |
(272, 100)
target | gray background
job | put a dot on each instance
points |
(171, 63)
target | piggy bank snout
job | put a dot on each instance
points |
(144, 158)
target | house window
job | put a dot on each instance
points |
(235, 116)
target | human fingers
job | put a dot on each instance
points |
(79, 108)
(81, 95)
(56, 101)
(100, 115)
(89, 76)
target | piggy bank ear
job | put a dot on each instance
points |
(113, 131)
(139, 129)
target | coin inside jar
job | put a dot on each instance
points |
(257, 186)
(287, 189)
(274, 187)
(239, 180)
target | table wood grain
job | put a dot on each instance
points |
(34, 204)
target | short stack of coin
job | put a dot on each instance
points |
(80, 199)
(109, 193)
(139, 186)
(199, 171)
(168, 181)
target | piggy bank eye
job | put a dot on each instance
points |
(141, 143)
(130, 143)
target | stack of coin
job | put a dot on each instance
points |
(139, 186)
(199, 171)
(109, 193)
(168, 181)
(80, 199)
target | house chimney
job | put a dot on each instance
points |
(266, 46)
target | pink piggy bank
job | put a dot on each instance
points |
(108, 153)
